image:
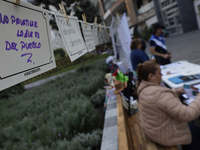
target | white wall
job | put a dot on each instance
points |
(196, 3)
(151, 21)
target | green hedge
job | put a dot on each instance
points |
(59, 53)
(56, 115)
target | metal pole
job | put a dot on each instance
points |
(83, 64)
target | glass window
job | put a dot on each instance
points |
(171, 21)
(170, 14)
(178, 19)
(165, 3)
(172, 30)
(172, 8)
(139, 3)
(164, 16)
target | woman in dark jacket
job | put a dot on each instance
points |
(137, 55)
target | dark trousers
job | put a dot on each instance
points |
(195, 145)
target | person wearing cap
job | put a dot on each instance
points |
(158, 47)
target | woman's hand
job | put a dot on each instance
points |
(180, 91)
(165, 56)
(170, 56)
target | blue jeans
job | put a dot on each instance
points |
(195, 145)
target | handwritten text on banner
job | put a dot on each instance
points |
(95, 34)
(25, 43)
(71, 35)
(87, 33)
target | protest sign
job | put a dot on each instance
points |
(71, 35)
(25, 43)
(95, 34)
(87, 33)
(106, 35)
(100, 38)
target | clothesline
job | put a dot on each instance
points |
(51, 12)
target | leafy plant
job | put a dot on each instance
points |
(59, 53)
(56, 115)
(98, 97)
(146, 34)
(136, 34)
(17, 89)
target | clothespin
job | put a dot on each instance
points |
(95, 20)
(17, 2)
(62, 9)
(104, 24)
(84, 19)
(100, 28)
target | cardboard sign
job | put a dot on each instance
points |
(100, 38)
(25, 43)
(87, 33)
(106, 35)
(95, 34)
(71, 35)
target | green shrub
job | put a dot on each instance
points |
(146, 34)
(83, 141)
(42, 117)
(136, 34)
(59, 53)
(98, 97)
(9, 92)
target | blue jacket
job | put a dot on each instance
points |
(138, 56)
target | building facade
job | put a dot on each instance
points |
(197, 11)
(139, 12)
(178, 16)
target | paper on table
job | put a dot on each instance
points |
(162, 67)
(173, 65)
(164, 72)
(189, 101)
(190, 92)
(185, 96)
(197, 86)
(111, 95)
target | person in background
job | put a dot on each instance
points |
(158, 47)
(143, 47)
(106, 50)
(137, 55)
(163, 117)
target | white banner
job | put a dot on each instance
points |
(71, 35)
(106, 35)
(87, 33)
(95, 34)
(25, 43)
(125, 39)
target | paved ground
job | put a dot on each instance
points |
(110, 130)
(185, 46)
